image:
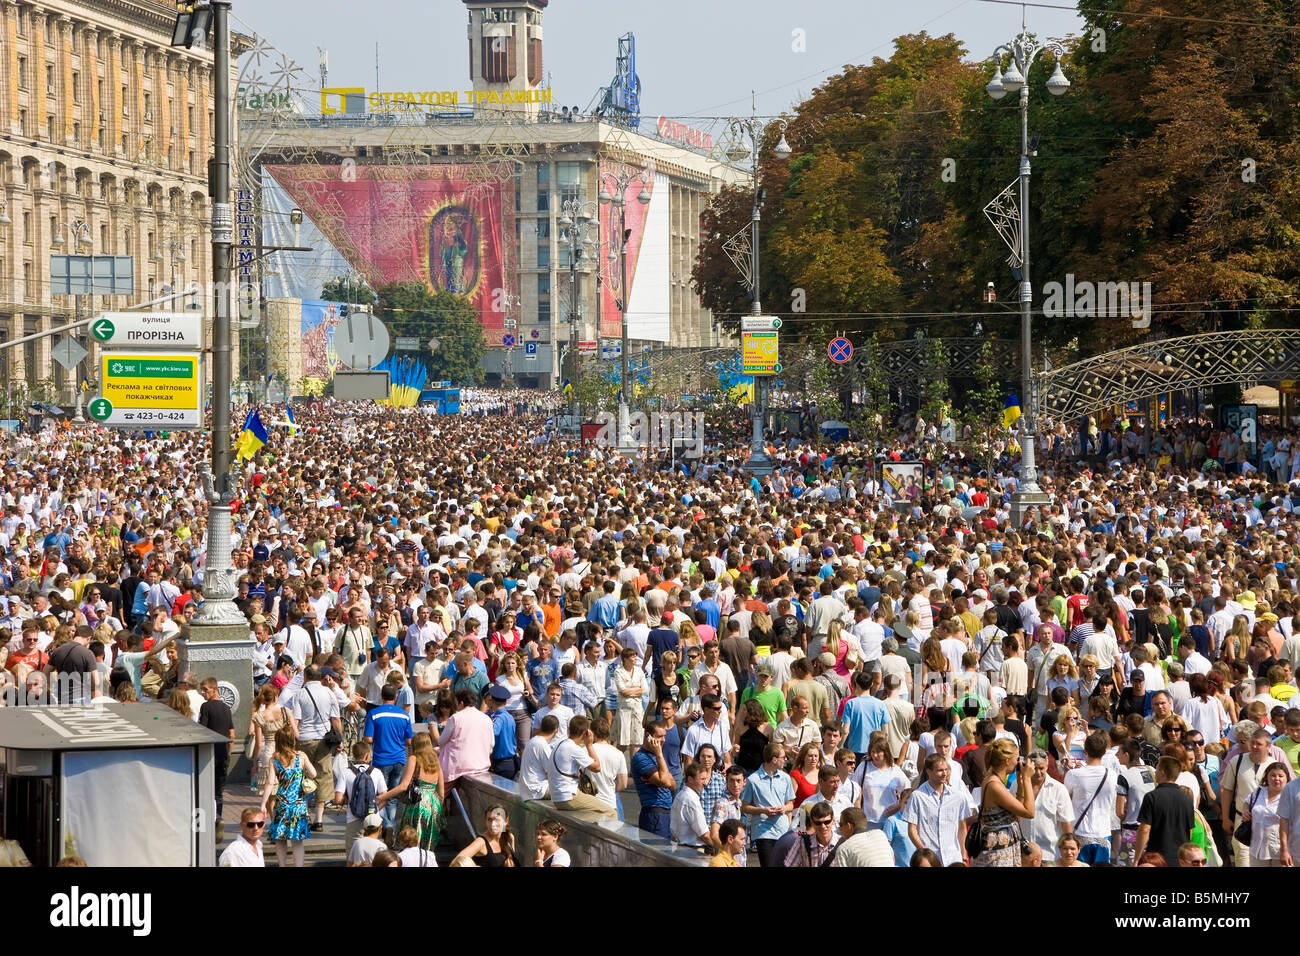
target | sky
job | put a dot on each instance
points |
(697, 59)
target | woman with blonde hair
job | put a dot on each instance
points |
(688, 635)
(1068, 738)
(179, 701)
(1063, 673)
(1237, 640)
(1000, 809)
(268, 717)
(422, 791)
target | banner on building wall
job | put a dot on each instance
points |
(634, 220)
(446, 225)
(319, 320)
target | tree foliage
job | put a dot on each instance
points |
(347, 289)
(410, 309)
(1174, 159)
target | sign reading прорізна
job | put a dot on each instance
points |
(171, 330)
(155, 390)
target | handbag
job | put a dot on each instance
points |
(1244, 830)
(413, 794)
(975, 833)
(585, 783)
(250, 746)
(332, 737)
(530, 702)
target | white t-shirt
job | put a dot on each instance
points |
(1052, 810)
(414, 856)
(612, 763)
(1134, 784)
(567, 762)
(344, 778)
(688, 823)
(1082, 783)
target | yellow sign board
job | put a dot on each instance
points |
(758, 353)
(333, 99)
(149, 390)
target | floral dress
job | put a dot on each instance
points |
(289, 809)
(426, 816)
(1001, 838)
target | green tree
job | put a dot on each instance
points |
(410, 309)
(348, 289)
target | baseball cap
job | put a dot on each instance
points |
(827, 659)
(373, 821)
(765, 667)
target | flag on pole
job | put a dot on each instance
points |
(252, 437)
(568, 388)
(288, 413)
(1011, 410)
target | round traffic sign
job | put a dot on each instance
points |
(840, 350)
(100, 409)
(777, 368)
(508, 340)
(361, 341)
(102, 329)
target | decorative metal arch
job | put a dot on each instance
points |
(906, 362)
(1192, 361)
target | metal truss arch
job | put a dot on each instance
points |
(1193, 361)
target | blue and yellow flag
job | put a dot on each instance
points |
(85, 384)
(288, 413)
(1011, 410)
(252, 437)
(568, 388)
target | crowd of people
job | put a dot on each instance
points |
(794, 670)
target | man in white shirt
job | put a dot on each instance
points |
(569, 760)
(346, 775)
(1136, 780)
(555, 709)
(246, 849)
(532, 782)
(688, 826)
(297, 644)
(419, 634)
(1053, 809)
(1092, 790)
(712, 728)
(829, 791)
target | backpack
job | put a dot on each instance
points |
(362, 800)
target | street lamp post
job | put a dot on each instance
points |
(618, 239)
(579, 222)
(739, 132)
(1022, 50)
(78, 235)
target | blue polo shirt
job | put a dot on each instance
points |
(503, 734)
(644, 763)
(389, 727)
(862, 716)
(768, 790)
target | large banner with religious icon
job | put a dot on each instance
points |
(448, 225)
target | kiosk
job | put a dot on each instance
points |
(116, 784)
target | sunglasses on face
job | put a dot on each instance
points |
(256, 824)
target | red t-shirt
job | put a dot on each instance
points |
(1077, 603)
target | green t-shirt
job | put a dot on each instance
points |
(1292, 751)
(773, 702)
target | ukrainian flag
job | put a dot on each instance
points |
(288, 413)
(568, 388)
(1011, 410)
(252, 437)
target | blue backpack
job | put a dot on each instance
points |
(363, 798)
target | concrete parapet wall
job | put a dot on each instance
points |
(589, 843)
